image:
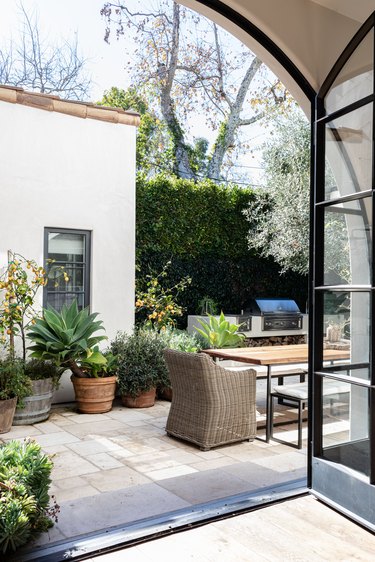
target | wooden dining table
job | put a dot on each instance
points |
(271, 355)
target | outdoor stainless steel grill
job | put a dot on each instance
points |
(265, 319)
(276, 314)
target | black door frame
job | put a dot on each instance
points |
(346, 486)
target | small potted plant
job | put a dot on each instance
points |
(141, 366)
(67, 339)
(14, 385)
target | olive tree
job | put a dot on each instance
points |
(279, 217)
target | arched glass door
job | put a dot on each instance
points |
(343, 394)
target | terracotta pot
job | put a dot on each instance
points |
(143, 400)
(165, 393)
(7, 409)
(94, 396)
(38, 405)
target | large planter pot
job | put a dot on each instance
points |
(38, 405)
(94, 396)
(143, 400)
(7, 409)
(165, 393)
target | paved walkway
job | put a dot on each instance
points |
(121, 466)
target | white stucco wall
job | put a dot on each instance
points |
(58, 170)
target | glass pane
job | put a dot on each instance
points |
(347, 371)
(348, 166)
(355, 80)
(346, 424)
(57, 280)
(347, 243)
(66, 247)
(57, 300)
(347, 323)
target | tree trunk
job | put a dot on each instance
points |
(76, 370)
(226, 136)
(182, 167)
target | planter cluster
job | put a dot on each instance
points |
(134, 364)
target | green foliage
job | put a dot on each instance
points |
(279, 217)
(202, 229)
(230, 282)
(207, 306)
(13, 380)
(181, 340)
(198, 156)
(140, 361)
(141, 364)
(97, 364)
(20, 281)
(37, 369)
(66, 337)
(220, 332)
(184, 218)
(157, 303)
(24, 498)
(153, 151)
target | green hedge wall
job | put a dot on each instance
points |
(201, 228)
(191, 219)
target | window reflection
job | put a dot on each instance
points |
(355, 81)
(346, 323)
(347, 243)
(345, 424)
(348, 166)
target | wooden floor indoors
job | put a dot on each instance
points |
(298, 530)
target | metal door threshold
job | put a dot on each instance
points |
(142, 530)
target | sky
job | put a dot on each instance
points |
(61, 19)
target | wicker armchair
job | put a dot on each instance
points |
(210, 406)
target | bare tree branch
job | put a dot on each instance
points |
(181, 67)
(34, 64)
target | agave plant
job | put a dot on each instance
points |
(220, 332)
(66, 338)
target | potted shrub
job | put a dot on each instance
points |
(14, 385)
(141, 366)
(44, 376)
(19, 284)
(67, 339)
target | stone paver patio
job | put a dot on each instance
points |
(118, 467)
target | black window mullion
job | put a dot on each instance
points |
(372, 304)
(316, 348)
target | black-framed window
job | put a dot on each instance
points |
(70, 251)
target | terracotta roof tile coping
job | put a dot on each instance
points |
(81, 109)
